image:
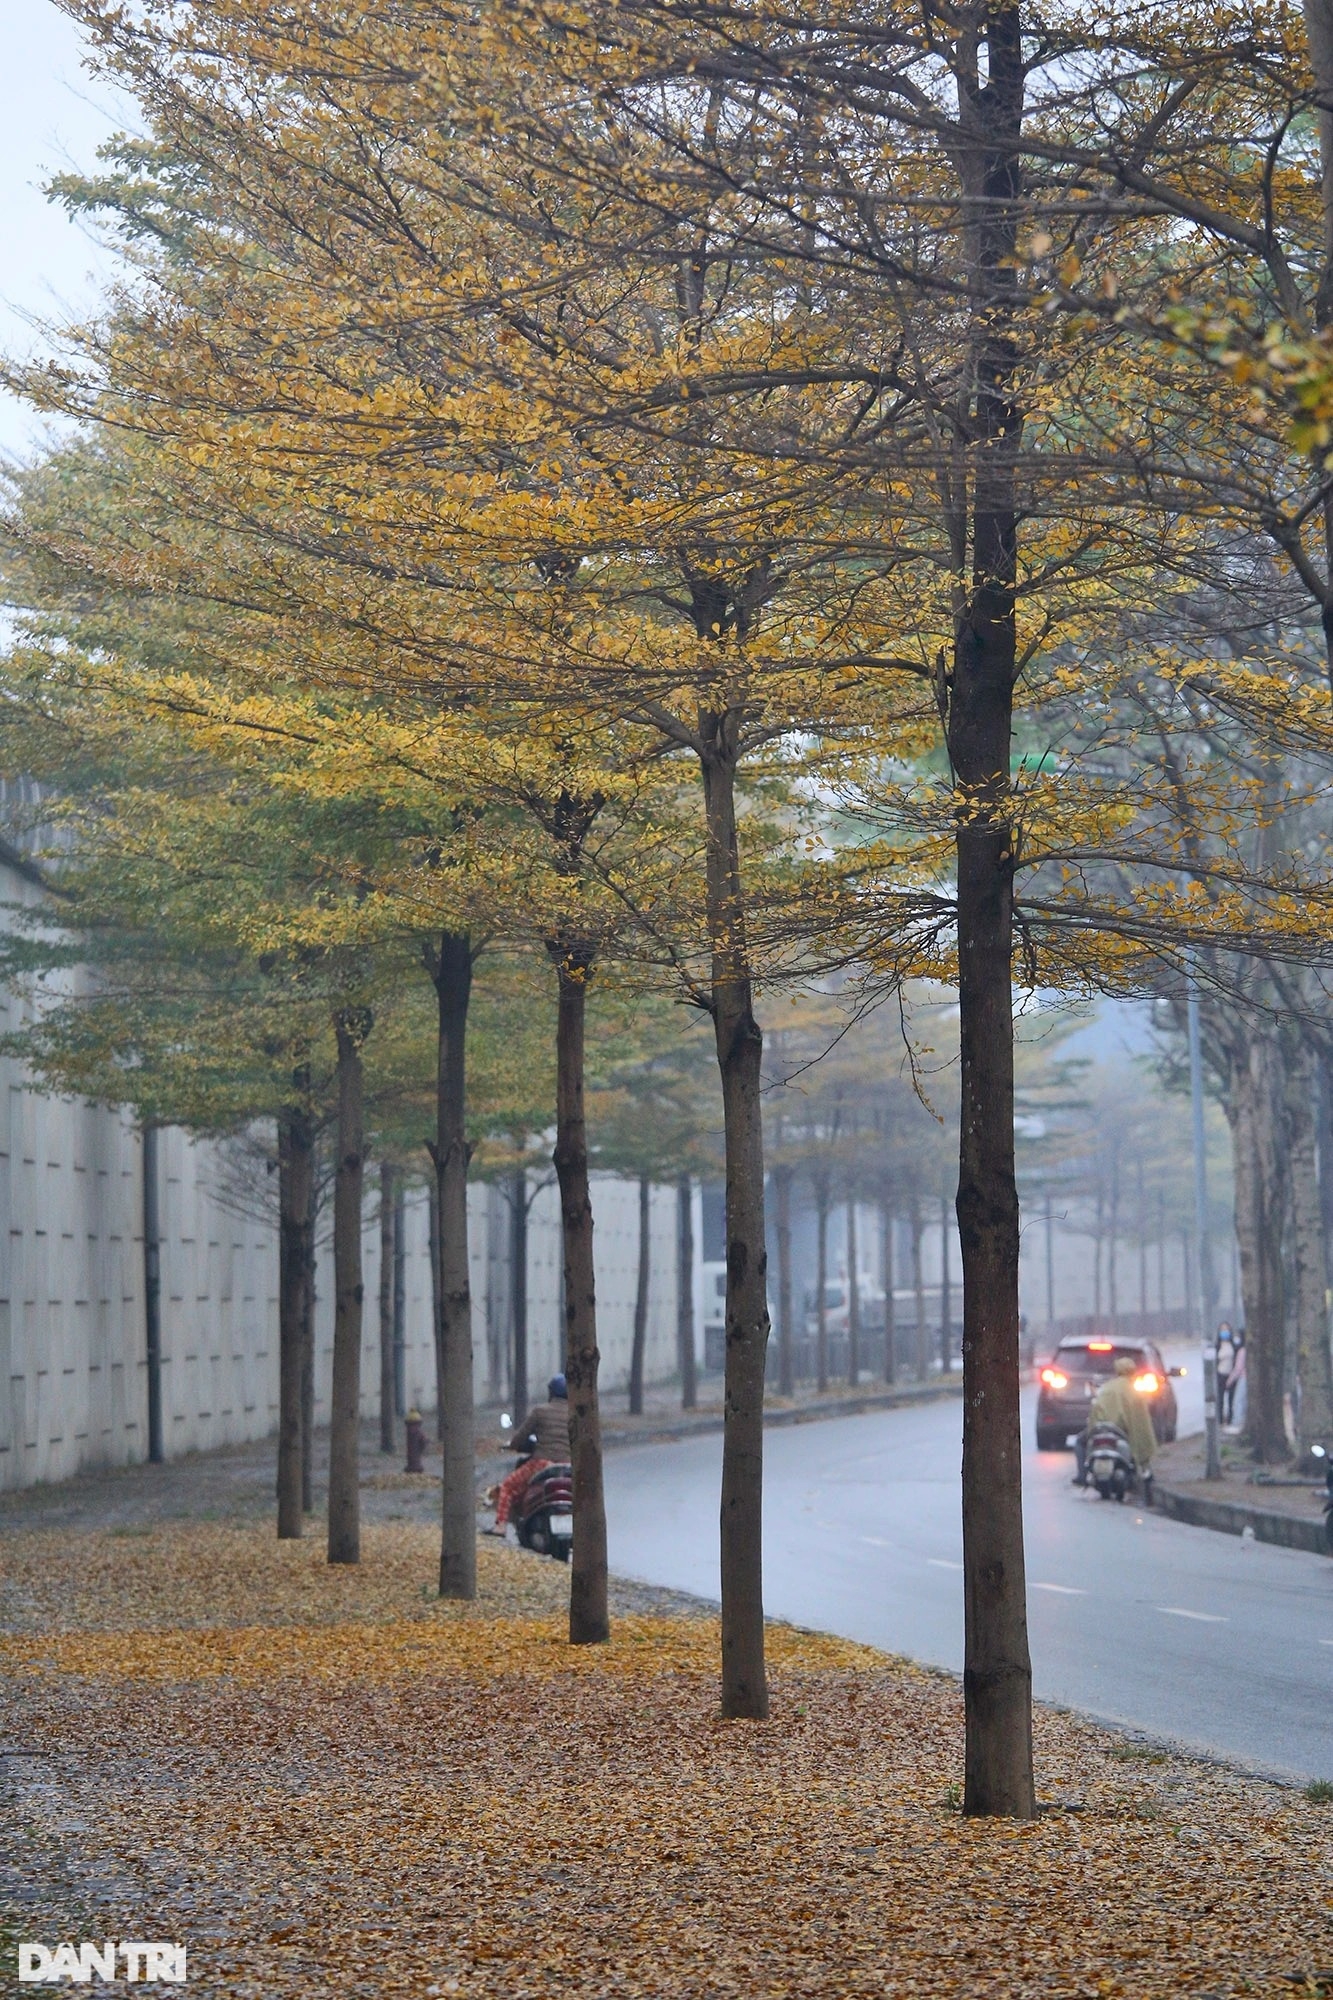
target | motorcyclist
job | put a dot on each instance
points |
(1118, 1402)
(544, 1433)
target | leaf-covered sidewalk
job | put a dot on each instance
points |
(326, 1782)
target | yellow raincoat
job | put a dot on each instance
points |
(1118, 1402)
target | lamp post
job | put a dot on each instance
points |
(1203, 1261)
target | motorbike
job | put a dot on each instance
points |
(544, 1517)
(1110, 1462)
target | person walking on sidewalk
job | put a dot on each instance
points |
(1226, 1361)
(1226, 1405)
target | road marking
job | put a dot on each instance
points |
(1326, 1642)
(1063, 1589)
(1203, 1617)
(938, 1562)
(876, 1542)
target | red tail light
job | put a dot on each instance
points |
(1147, 1384)
(1054, 1379)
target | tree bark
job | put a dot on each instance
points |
(296, 1168)
(997, 1671)
(344, 1545)
(1253, 1101)
(388, 1216)
(740, 1059)
(518, 1288)
(1313, 1362)
(689, 1380)
(589, 1614)
(782, 1210)
(853, 1299)
(309, 1304)
(890, 1313)
(641, 1298)
(152, 1287)
(399, 1299)
(451, 972)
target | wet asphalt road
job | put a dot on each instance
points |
(1222, 1645)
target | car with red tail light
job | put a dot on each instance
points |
(1067, 1383)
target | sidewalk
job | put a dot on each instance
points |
(1273, 1507)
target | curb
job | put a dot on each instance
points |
(1232, 1517)
(844, 1406)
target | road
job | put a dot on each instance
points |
(1222, 1645)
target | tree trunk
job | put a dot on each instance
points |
(821, 1291)
(890, 1309)
(853, 1300)
(589, 1616)
(451, 971)
(997, 1671)
(387, 1221)
(689, 1381)
(152, 1288)
(1319, 41)
(352, 1026)
(782, 1208)
(919, 1289)
(518, 1288)
(296, 1167)
(1313, 1362)
(399, 1299)
(1257, 1154)
(641, 1298)
(309, 1304)
(740, 1060)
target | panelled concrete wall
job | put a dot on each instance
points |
(73, 1372)
(73, 1368)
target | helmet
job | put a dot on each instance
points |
(556, 1389)
(1124, 1365)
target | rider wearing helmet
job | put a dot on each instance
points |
(544, 1433)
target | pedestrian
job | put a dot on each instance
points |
(1226, 1361)
(1235, 1385)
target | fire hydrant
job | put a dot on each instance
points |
(416, 1442)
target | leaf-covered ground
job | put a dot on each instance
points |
(328, 1783)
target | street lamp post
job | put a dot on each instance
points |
(1203, 1261)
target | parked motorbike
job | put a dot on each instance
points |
(1110, 1462)
(1321, 1452)
(544, 1518)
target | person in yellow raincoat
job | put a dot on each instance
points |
(1118, 1402)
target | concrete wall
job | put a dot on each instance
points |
(73, 1374)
